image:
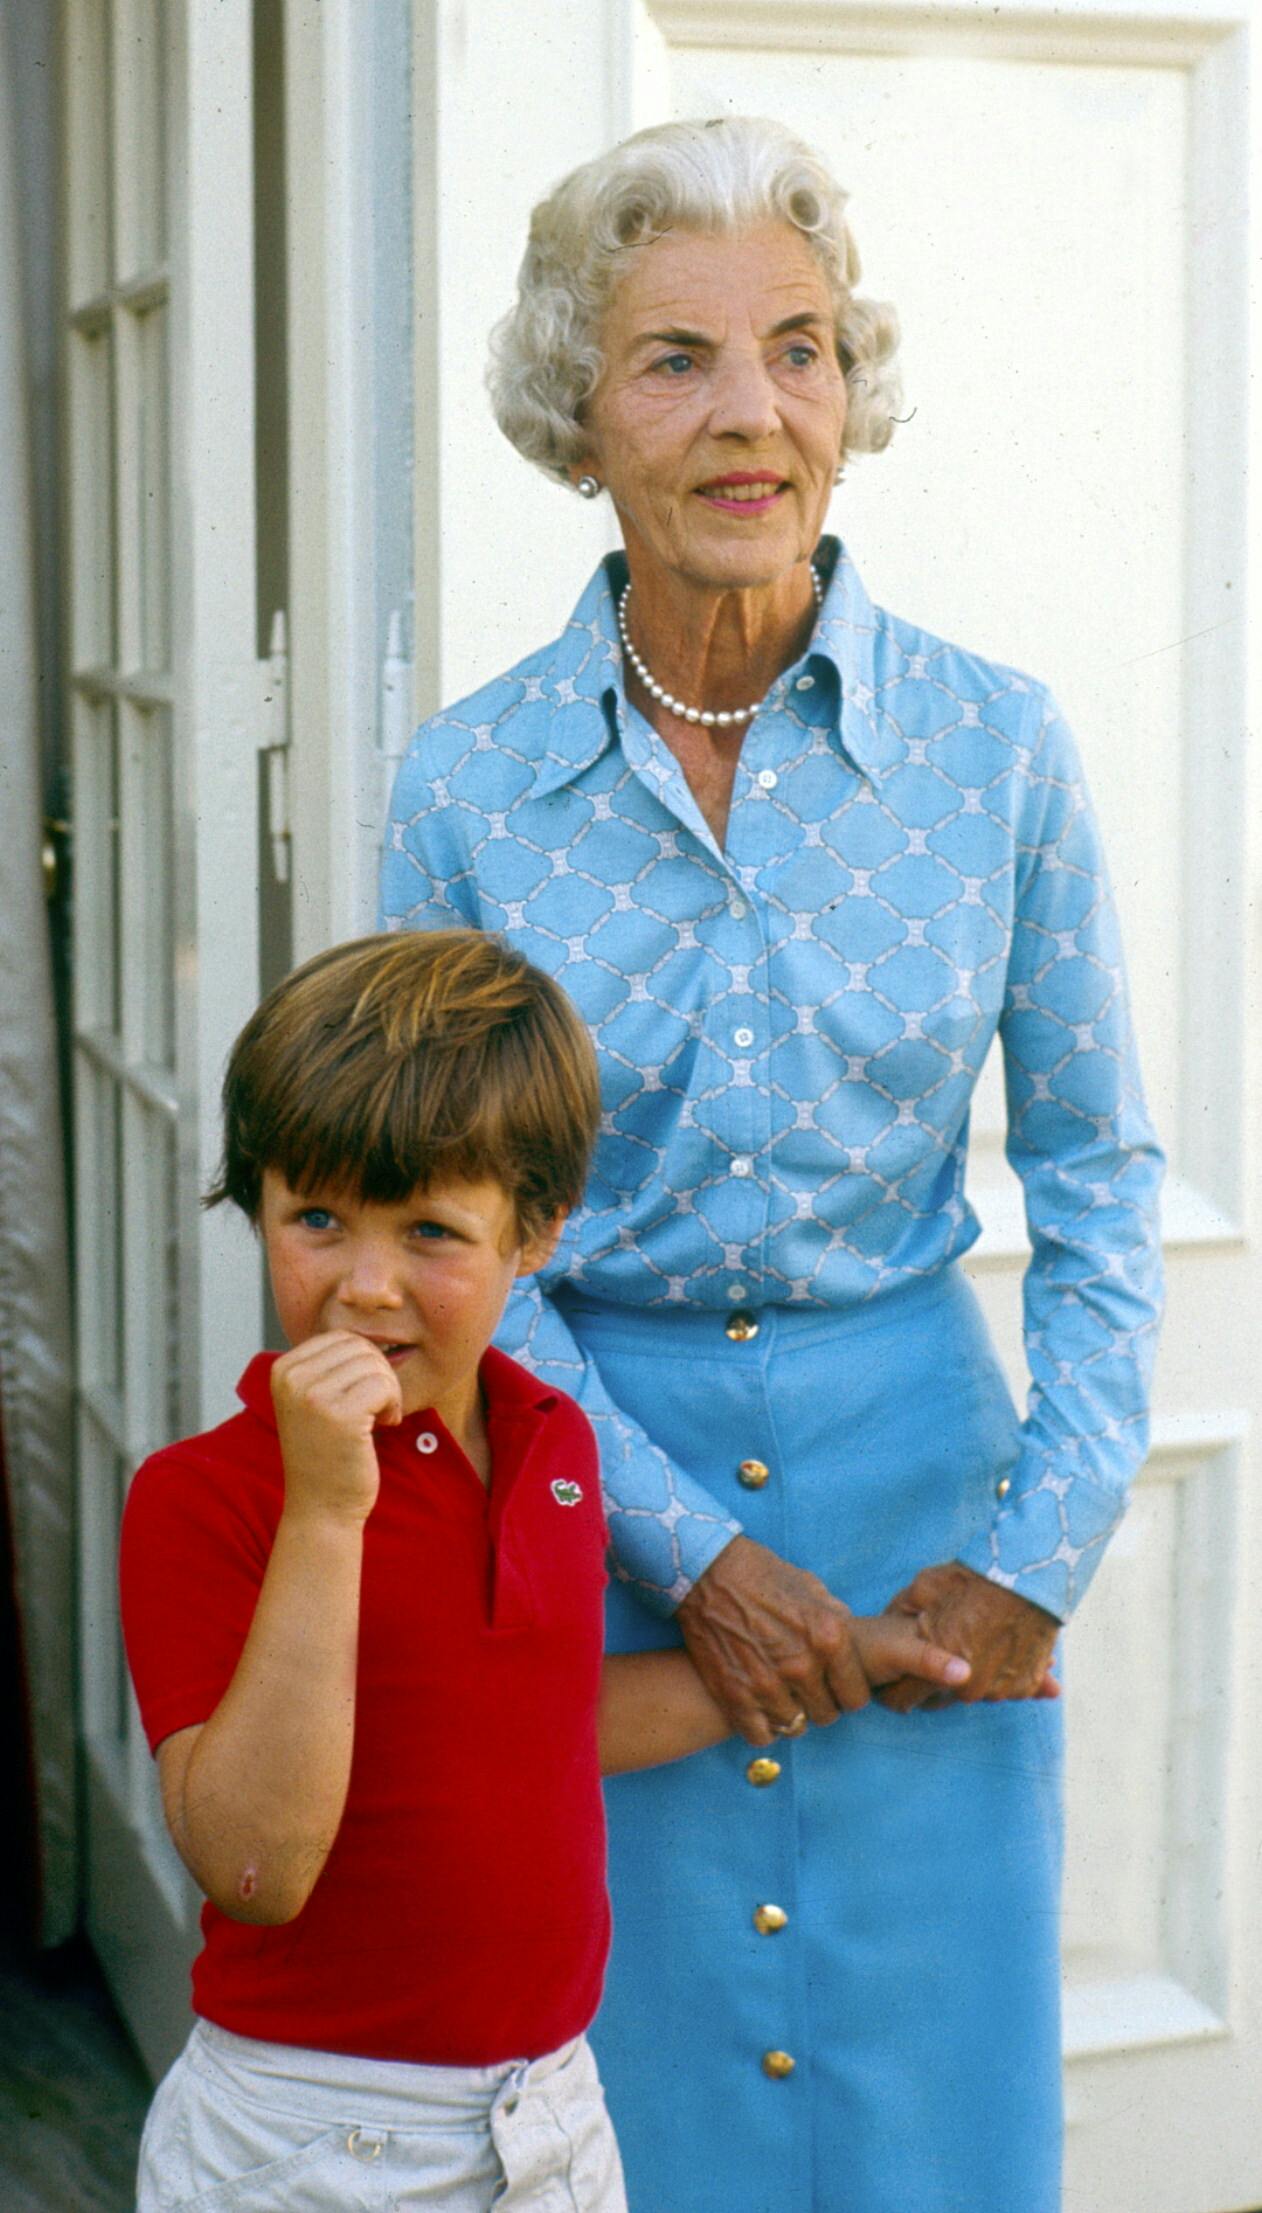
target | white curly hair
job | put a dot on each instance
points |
(720, 176)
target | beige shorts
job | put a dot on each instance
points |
(245, 2127)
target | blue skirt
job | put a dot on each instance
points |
(915, 1981)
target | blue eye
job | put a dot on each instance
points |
(317, 1217)
(431, 1230)
(674, 363)
(802, 357)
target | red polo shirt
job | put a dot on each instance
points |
(461, 1917)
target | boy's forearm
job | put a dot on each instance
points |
(654, 1707)
(262, 1795)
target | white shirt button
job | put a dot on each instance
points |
(739, 910)
(743, 1037)
(738, 1290)
(426, 1441)
(741, 1166)
(805, 684)
(768, 778)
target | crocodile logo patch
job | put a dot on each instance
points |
(565, 1493)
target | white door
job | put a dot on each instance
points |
(165, 715)
(1056, 200)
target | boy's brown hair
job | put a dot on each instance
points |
(399, 1062)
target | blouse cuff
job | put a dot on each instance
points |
(661, 1547)
(1047, 1540)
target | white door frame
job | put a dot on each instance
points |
(335, 665)
(164, 710)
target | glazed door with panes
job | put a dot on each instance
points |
(1057, 200)
(165, 710)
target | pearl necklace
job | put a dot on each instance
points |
(725, 717)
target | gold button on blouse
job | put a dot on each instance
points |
(753, 1474)
(778, 2065)
(769, 1919)
(741, 1326)
(1003, 1486)
(760, 1772)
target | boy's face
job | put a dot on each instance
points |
(424, 1279)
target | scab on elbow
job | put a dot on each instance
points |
(261, 1904)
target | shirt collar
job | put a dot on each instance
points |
(509, 1389)
(845, 639)
(583, 682)
(584, 686)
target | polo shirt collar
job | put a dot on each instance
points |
(517, 1410)
(509, 1389)
(584, 684)
(255, 1388)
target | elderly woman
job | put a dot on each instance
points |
(797, 861)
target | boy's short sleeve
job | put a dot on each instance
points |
(193, 1555)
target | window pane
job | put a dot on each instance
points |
(88, 147)
(92, 641)
(172, 1397)
(96, 923)
(110, 832)
(140, 59)
(100, 1497)
(153, 491)
(110, 1627)
(99, 1225)
(152, 960)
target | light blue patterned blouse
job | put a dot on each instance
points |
(790, 1030)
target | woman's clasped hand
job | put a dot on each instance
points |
(770, 1640)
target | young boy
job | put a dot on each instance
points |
(363, 1617)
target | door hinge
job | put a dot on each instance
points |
(273, 698)
(54, 855)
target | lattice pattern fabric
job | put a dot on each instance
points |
(790, 1030)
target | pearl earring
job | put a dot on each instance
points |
(589, 486)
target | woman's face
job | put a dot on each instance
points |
(717, 423)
